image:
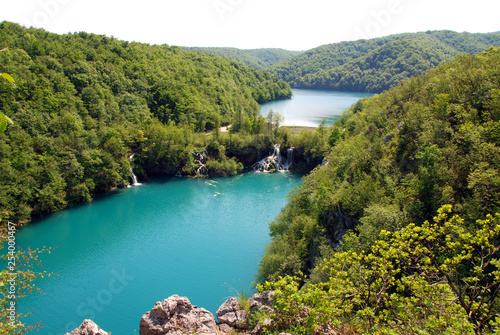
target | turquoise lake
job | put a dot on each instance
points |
(202, 239)
(308, 108)
(120, 254)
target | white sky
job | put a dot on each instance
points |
(287, 24)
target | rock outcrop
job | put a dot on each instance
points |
(260, 301)
(233, 317)
(175, 316)
(232, 314)
(88, 327)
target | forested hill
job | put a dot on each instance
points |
(259, 59)
(377, 64)
(397, 160)
(82, 103)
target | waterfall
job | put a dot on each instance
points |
(274, 162)
(134, 178)
(201, 158)
(289, 159)
(132, 175)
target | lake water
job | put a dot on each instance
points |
(202, 239)
(309, 107)
(120, 254)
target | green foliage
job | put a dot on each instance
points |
(223, 168)
(335, 136)
(5, 120)
(404, 153)
(84, 103)
(26, 269)
(377, 64)
(8, 77)
(259, 59)
(434, 277)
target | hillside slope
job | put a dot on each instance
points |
(377, 64)
(82, 104)
(397, 158)
(259, 59)
(398, 232)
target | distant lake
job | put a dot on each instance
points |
(309, 107)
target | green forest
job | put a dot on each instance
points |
(259, 59)
(377, 64)
(395, 231)
(83, 105)
(398, 232)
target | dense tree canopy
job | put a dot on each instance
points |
(363, 226)
(401, 155)
(377, 64)
(259, 59)
(83, 104)
(424, 279)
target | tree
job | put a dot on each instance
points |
(216, 128)
(335, 136)
(269, 120)
(278, 119)
(274, 120)
(4, 119)
(438, 276)
(16, 280)
(444, 251)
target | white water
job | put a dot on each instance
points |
(132, 175)
(289, 159)
(275, 162)
(134, 178)
(201, 158)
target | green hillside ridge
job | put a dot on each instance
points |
(363, 226)
(83, 104)
(259, 59)
(377, 64)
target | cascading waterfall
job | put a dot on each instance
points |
(289, 159)
(274, 162)
(201, 158)
(134, 178)
(132, 175)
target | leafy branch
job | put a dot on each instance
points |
(4, 119)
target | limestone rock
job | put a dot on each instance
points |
(88, 327)
(175, 316)
(232, 314)
(225, 329)
(260, 300)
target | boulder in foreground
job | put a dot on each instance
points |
(175, 316)
(88, 327)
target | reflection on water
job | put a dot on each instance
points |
(309, 107)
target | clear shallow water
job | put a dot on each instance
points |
(309, 107)
(120, 254)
